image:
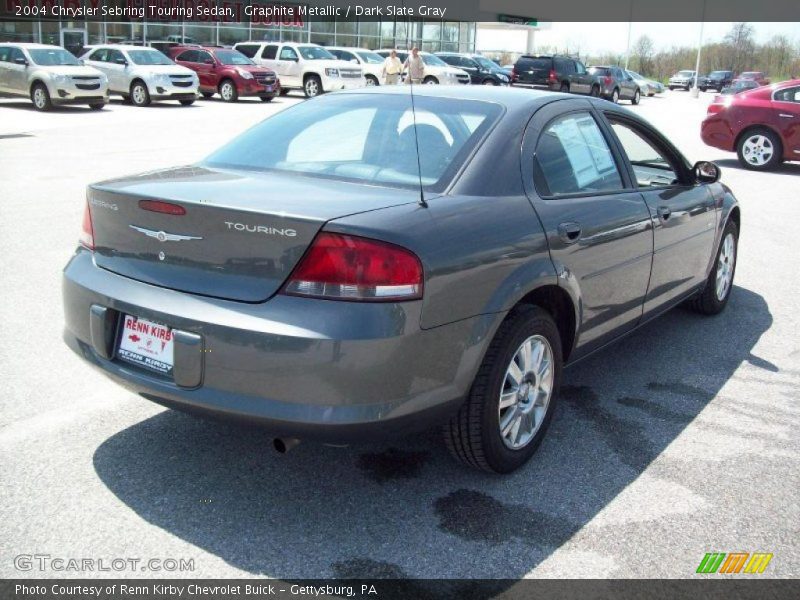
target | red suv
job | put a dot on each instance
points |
(227, 72)
(757, 76)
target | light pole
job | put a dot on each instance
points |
(695, 89)
(628, 46)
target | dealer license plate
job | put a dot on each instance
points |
(146, 344)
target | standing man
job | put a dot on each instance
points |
(415, 66)
(392, 68)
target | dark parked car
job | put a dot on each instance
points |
(227, 72)
(482, 71)
(739, 85)
(559, 73)
(716, 80)
(616, 84)
(761, 125)
(322, 277)
(758, 76)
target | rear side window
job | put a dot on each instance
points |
(270, 52)
(5, 54)
(249, 50)
(791, 94)
(572, 157)
(188, 56)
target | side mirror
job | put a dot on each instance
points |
(706, 172)
(208, 61)
(21, 61)
(80, 60)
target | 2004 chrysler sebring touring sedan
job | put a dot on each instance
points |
(320, 277)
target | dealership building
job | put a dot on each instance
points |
(74, 34)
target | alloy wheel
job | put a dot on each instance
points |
(138, 94)
(757, 150)
(39, 98)
(312, 88)
(725, 266)
(615, 96)
(526, 392)
(227, 91)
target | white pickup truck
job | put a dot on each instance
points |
(306, 67)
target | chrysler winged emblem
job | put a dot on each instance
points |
(163, 236)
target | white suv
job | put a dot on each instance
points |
(371, 63)
(49, 75)
(436, 70)
(143, 74)
(306, 67)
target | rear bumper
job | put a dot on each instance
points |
(335, 371)
(715, 131)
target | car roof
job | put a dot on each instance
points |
(30, 45)
(123, 47)
(350, 49)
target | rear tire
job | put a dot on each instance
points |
(186, 102)
(615, 96)
(714, 297)
(759, 149)
(564, 89)
(267, 98)
(474, 435)
(41, 97)
(636, 98)
(97, 105)
(207, 95)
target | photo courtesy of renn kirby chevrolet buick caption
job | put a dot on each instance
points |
(322, 278)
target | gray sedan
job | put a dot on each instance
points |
(320, 277)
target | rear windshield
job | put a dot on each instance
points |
(148, 57)
(370, 58)
(365, 138)
(536, 63)
(719, 73)
(685, 73)
(750, 74)
(598, 70)
(53, 57)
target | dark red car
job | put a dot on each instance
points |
(757, 76)
(227, 72)
(761, 125)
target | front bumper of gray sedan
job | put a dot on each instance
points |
(328, 370)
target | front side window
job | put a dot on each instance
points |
(55, 57)
(204, 57)
(433, 61)
(485, 63)
(188, 56)
(573, 157)
(148, 57)
(365, 138)
(99, 55)
(232, 57)
(651, 166)
(370, 58)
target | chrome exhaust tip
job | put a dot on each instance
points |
(283, 445)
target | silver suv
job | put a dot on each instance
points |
(49, 75)
(143, 74)
(682, 79)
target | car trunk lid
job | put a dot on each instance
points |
(240, 235)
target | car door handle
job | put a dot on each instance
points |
(569, 232)
(785, 116)
(664, 212)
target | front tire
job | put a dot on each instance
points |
(267, 98)
(312, 86)
(187, 102)
(615, 96)
(759, 150)
(207, 95)
(372, 81)
(595, 91)
(97, 105)
(714, 297)
(139, 94)
(228, 91)
(511, 402)
(636, 98)
(430, 80)
(41, 97)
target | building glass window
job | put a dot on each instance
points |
(369, 28)
(201, 35)
(228, 36)
(346, 28)
(432, 31)
(323, 39)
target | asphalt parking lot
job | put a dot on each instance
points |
(681, 440)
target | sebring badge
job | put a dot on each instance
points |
(163, 236)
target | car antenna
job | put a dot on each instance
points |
(414, 121)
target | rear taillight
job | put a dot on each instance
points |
(87, 231)
(552, 75)
(346, 267)
(607, 79)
